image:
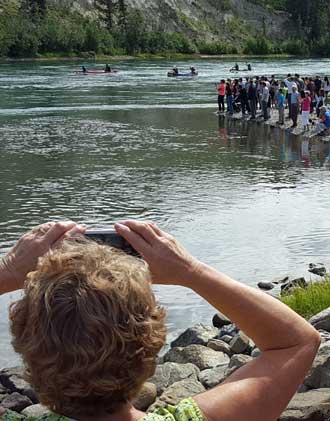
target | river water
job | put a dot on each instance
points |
(250, 200)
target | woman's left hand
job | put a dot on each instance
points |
(23, 257)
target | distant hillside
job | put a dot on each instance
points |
(29, 28)
(212, 19)
(208, 20)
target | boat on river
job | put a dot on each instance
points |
(189, 74)
(96, 72)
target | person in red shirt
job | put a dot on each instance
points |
(221, 87)
(305, 108)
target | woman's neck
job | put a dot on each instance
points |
(127, 413)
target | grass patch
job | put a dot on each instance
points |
(310, 301)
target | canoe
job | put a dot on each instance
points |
(96, 72)
(172, 74)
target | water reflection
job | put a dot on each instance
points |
(269, 141)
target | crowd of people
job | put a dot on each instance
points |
(305, 96)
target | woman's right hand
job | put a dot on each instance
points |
(168, 261)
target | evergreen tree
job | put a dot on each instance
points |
(106, 9)
(35, 8)
(122, 14)
(112, 11)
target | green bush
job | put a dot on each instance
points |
(212, 48)
(310, 301)
(258, 45)
(321, 47)
(24, 39)
(295, 47)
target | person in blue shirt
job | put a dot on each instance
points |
(281, 106)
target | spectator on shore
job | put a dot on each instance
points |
(229, 98)
(252, 98)
(221, 88)
(294, 106)
(243, 97)
(318, 84)
(289, 83)
(281, 106)
(300, 83)
(305, 107)
(326, 88)
(324, 124)
(319, 98)
(265, 100)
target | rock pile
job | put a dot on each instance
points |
(200, 358)
(287, 284)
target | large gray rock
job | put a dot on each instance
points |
(199, 355)
(16, 402)
(35, 411)
(12, 371)
(266, 285)
(319, 374)
(219, 320)
(199, 334)
(321, 320)
(13, 380)
(295, 283)
(226, 338)
(3, 390)
(219, 345)
(325, 336)
(318, 269)
(310, 406)
(237, 361)
(146, 397)
(230, 330)
(240, 344)
(169, 373)
(178, 391)
(213, 376)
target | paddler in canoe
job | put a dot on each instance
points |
(193, 71)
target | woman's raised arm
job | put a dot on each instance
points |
(260, 390)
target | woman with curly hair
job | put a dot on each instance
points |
(89, 329)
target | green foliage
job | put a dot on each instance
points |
(322, 47)
(136, 32)
(212, 48)
(294, 46)
(310, 301)
(32, 27)
(258, 45)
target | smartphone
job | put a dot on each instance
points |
(112, 238)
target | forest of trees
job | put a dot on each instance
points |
(30, 28)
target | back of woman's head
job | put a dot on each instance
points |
(88, 328)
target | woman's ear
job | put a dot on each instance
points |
(2, 411)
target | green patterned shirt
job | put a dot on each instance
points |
(186, 410)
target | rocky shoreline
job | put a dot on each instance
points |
(199, 359)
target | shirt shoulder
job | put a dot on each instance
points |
(186, 410)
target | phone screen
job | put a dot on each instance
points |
(111, 238)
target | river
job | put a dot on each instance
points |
(250, 200)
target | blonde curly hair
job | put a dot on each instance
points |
(88, 328)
